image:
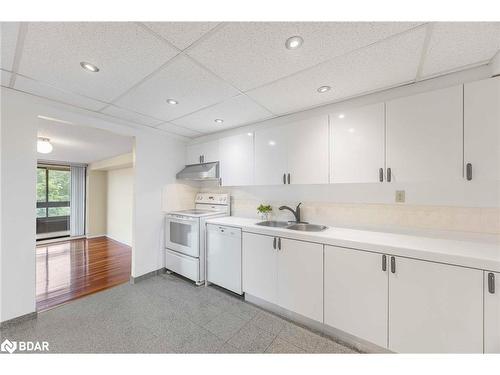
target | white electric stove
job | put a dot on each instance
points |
(185, 235)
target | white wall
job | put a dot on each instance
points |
(96, 203)
(120, 191)
(158, 156)
(18, 197)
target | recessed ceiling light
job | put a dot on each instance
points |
(323, 89)
(219, 121)
(351, 130)
(294, 42)
(172, 101)
(249, 134)
(272, 143)
(341, 116)
(43, 145)
(90, 67)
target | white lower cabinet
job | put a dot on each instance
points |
(259, 266)
(285, 272)
(434, 308)
(491, 312)
(300, 277)
(356, 293)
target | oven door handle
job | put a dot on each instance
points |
(182, 220)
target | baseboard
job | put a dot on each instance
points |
(342, 337)
(95, 236)
(135, 280)
(117, 240)
(19, 319)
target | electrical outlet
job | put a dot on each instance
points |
(400, 196)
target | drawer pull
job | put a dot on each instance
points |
(393, 264)
(384, 263)
(491, 283)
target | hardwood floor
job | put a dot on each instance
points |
(74, 268)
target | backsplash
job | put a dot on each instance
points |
(368, 215)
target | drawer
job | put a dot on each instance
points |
(183, 265)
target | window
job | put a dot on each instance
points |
(53, 189)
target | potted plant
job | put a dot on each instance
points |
(264, 211)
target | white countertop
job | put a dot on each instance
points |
(478, 253)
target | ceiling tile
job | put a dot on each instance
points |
(53, 52)
(130, 116)
(5, 78)
(454, 45)
(50, 92)
(8, 32)
(181, 34)
(250, 54)
(236, 111)
(385, 64)
(183, 80)
(179, 130)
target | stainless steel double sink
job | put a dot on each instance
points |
(304, 227)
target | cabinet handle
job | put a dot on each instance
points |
(381, 174)
(389, 174)
(491, 283)
(288, 178)
(279, 243)
(468, 171)
(274, 243)
(199, 158)
(384, 262)
(202, 158)
(284, 178)
(393, 265)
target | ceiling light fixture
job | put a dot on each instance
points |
(90, 67)
(219, 121)
(341, 116)
(249, 134)
(172, 101)
(323, 89)
(43, 145)
(294, 42)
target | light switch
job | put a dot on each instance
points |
(400, 196)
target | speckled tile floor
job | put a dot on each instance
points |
(166, 314)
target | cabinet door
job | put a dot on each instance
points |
(236, 160)
(356, 293)
(300, 278)
(435, 308)
(193, 153)
(210, 151)
(270, 156)
(307, 151)
(259, 266)
(491, 312)
(425, 136)
(482, 128)
(357, 141)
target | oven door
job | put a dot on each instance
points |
(182, 234)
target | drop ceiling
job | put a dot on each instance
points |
(238, 72)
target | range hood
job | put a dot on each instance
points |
(200, 172)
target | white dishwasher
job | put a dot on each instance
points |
(224, 257)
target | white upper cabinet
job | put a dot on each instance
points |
(357, 293)
(270, 156)
(236, 160)
(424, 136)
(491, 312)
(482, 129)
(202, 152)
(307, 151)
(296, 153)
(357, 145)
(434, 308)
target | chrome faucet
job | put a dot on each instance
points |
(295, 212)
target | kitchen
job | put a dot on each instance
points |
(332, 188)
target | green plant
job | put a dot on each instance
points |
(264, 209)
